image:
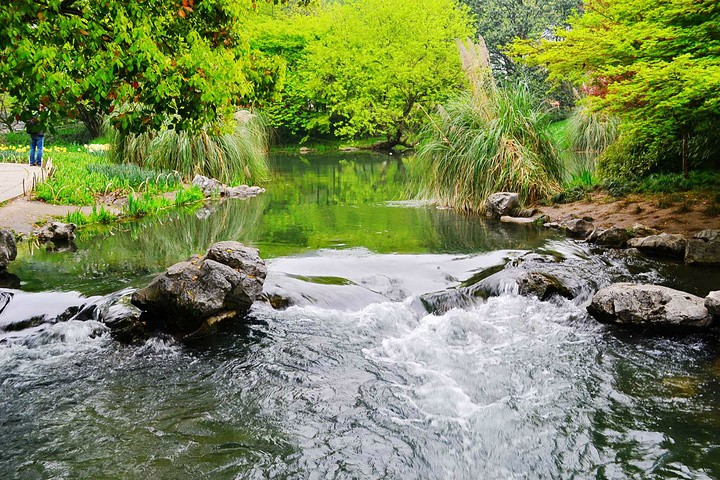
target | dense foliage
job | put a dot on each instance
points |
(186, 62)
(654, 63)
(362, 67)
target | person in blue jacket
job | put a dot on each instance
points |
(37, 137)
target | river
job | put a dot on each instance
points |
(356, 378)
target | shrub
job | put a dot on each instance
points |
(233, 158)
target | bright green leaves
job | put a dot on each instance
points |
(189, 70)
(655, 63)
(378, 59)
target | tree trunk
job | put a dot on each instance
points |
(686, 170)
(91, 118)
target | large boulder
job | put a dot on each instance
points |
(666, 244)
(712, 303)
(501, 204)
(614, 237)
(651, 305)
(229, 277)
(578, 227)
(57, 232)
(704, 248)
(8, 248)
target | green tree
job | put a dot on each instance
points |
(378, 59)
(502, 21)
(186, 62)
(655, 63)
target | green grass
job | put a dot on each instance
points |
(82, 178)
(495, 140)
(98, 215)
(233, 158)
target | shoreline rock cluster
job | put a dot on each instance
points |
(628, 303)
(702, 249)
(211, 186)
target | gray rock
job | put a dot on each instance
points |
(578, 228)
(349, 149)
(8, 248)
(243, 191)
(666, 244)
(517, 220)
(614, 237)
(542, 285)
(209, 186)
(229, 277)
(552, 225)
(640, 230)
(704, 248)
(123, 319)
(57, 232)
(502, 204)
(712, 303)
(634, 304)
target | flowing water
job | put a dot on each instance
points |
(355, 378)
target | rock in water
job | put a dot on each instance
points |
(57, 232)
(666, 244)
(229, 277)
(635, 304)
(704, 248)
(614, 237)
(712, 303)
(502, 204)
(8, 248)
(579, 228)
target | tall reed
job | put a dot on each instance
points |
(488, 140)
(238, 156)
(592, 132)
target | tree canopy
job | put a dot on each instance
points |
(502, 21)
(186, 62)
(379, 58)
(655, 63)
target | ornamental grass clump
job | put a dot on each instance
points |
(592, 132)
(488, 140)
(234, 157)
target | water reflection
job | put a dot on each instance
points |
(312, 203)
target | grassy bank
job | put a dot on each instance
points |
(83, 175)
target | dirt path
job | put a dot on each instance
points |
(684, 213)
(22, 214)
